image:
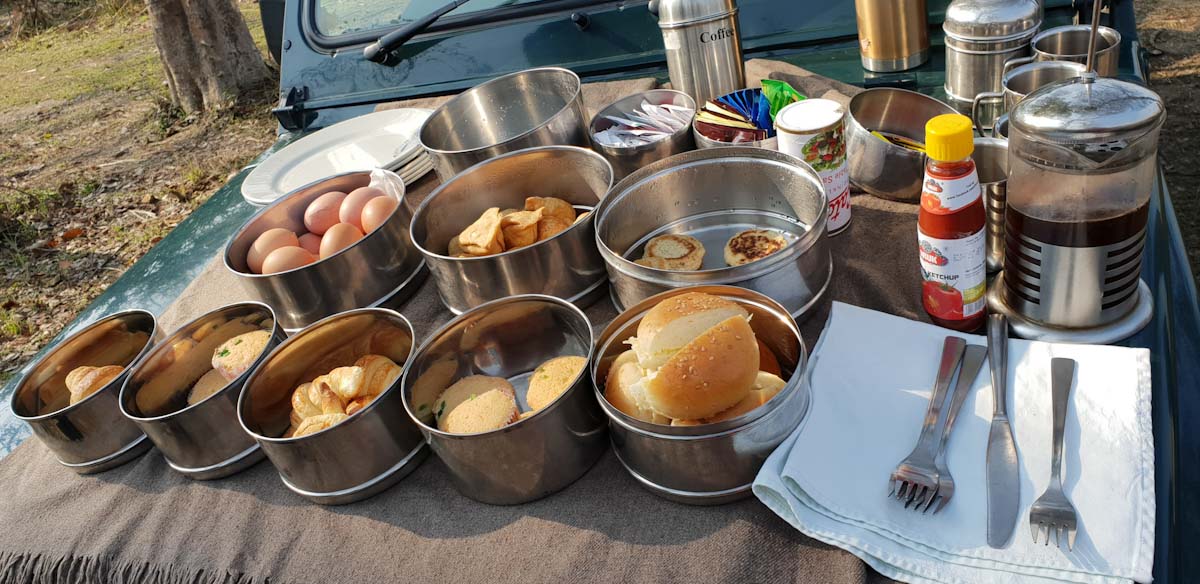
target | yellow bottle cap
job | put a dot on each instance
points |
(949, 137)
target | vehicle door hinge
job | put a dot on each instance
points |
(291, 113)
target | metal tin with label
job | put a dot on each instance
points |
(703, 46)
(813, 130)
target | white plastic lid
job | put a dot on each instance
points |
(809, 115)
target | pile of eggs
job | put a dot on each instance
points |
(335, 220)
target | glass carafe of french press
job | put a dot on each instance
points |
(1082, 163)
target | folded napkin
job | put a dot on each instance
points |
(871, 375)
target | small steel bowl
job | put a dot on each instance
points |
(1000, 129)
(91, 435)
(710, 464)
(380, 267)
(363, 455)
(704, 142)
(200, 441)
(530, 458)
(534, 107)
(625, 160)
(877, 166)
(566, 265)
(712, 194)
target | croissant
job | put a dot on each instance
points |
(341, 392)
(84, 381)
(317, 423)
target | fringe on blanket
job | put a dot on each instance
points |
(39, 569)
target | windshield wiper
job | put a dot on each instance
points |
(381, 50)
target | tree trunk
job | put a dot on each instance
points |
(207, 52)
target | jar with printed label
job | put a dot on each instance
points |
(950, 227)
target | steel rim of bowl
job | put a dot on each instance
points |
(367, 485)
(724, 427)
(1103, 33)
(127, 450)
(692, 497)
(12, 405)
(303, 332)
(142, 359)
(628, 150)
(228, 462)
(578, 90)
(422, 209)
(264, 210)
(436, 335)
(892, 148)
(714, 276)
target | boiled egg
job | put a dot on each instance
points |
(352, 205)
(269, 241)
(322, 213)
(376, 211)
(339, 237)
(311, 242)
(286, 258)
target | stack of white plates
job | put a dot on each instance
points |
(386, 139)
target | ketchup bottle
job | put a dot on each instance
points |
(950, 227)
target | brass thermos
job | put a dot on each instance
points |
(893, 35)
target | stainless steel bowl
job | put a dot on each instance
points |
(1070, 43)
(566, 265)
(380, 267)
(510, 338)
(91, 435)
(625, 160)
(704, 142)
(1000, 130)
(712, 194)
(716, 463)
(1021, 77)
(991, 163)
(363, 455)
(535, 107)
(877, 166)
(201, 441)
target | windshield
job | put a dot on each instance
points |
(342, 17)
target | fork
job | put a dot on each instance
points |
(916, 477)
(1053, 512)
(971, 364)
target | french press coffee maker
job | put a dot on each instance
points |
(1083, 155)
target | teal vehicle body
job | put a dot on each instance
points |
(324, 80)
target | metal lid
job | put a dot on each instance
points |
(675, 13)
(1086, 109)
(992, 19)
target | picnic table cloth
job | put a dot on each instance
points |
(142, 522)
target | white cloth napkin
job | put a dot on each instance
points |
(871, 375)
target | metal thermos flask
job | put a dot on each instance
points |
(704, 50)
(893, 35)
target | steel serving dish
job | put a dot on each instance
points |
(382, 267)
(91, 435)
(203, 440)
(712, 195)
(715, 463)
(534, 107)
(363, 455)
(566, 265)
(625, 160)
(509, 338)
(877, 166)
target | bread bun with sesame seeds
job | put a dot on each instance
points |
(710, 374)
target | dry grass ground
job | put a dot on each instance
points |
(95, 165)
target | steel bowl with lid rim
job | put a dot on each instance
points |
(981, 36)
(534, 107)
(364, 454)
(381, 268)
(566, 265)
(1071, 42)
(626, 159)
(878, 166)
(709, 464)
(203, 440)
(711, 194)
(510, 338)
(91, 435)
